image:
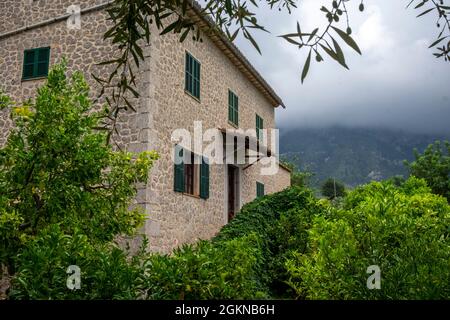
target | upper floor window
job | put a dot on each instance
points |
(259, 128)
(233, 108)
(192, 76)
(36, 63)
(191, 177)
(259, 189)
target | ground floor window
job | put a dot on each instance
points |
(191, 173)
(259, 189)
(191, 177)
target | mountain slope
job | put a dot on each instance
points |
(352, 155)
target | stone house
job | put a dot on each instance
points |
(180, 85)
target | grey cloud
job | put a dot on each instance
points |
(396, 83)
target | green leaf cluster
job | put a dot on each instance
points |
(63, 189)
(403, 230)
(433, 165)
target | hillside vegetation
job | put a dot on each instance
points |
(354, 156)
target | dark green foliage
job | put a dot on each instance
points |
(433, 165)
(397, 180)
(332, 189)
(245, 260)
(65, 195)
(299, 178)
(225, 270)
(281, 220)
(403, 230)
(106, 270)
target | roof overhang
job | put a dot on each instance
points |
(233, 53)
(259, 150)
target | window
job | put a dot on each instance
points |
(190, 177)
(192, 76)
(259, 189)
(35, 63)
(189, 171)
(233, 108)
(259, 128)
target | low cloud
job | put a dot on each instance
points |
(396, 83)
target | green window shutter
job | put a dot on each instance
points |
(236, 109)
(259, 127)
(178, 179)
(36, 63)
(192, 76)
(204, 179)
(187, 75)
(233, 108)
(230, 110)
(28, 64)
(197, 79)
(43, 62)
(259, 189)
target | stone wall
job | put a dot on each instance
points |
(178, 218)
(15, 14)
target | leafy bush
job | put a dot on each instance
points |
(281, 220)
(242, 261)
(333, 189)
(63, 189)
(433, 165)
(107, 272)
(405, 231)
(207, 271)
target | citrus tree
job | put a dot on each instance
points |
(61, 184)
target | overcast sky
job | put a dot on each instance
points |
(396, 83)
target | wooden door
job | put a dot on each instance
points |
(231, 192)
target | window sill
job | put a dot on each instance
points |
(233, 124)
(33, 79)
(192, 96)
(191, 195)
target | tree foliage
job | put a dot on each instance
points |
(442, 13)
(61, 183)
(299, 178)
(333, 189)
(404, 231)
(433, 165)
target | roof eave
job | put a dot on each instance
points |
(255, 76)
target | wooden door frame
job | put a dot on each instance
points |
(237, 190)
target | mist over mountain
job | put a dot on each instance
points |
(352, 155)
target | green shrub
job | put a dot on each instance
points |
(207, 271)
(433, 165)
(332, 189)
(405, 231)
(244, 260)
(281, 220)
(65, 195)
(106, 270)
